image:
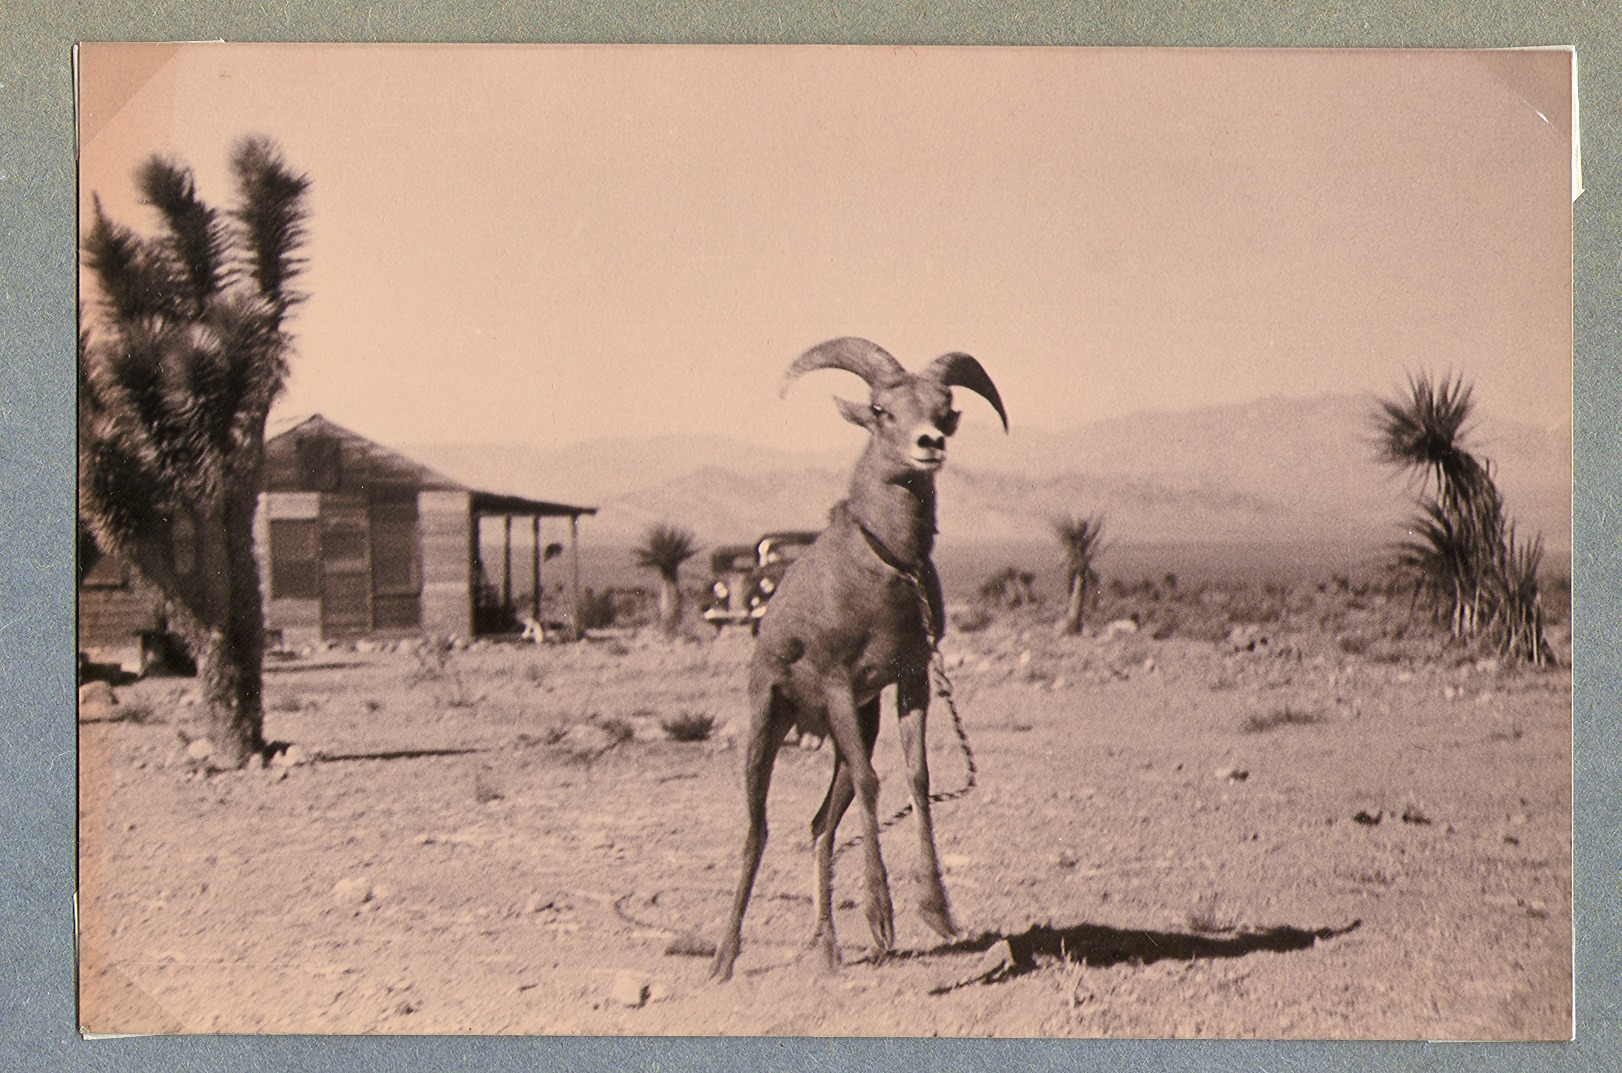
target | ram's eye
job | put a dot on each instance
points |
(880, 412)
(949, 425)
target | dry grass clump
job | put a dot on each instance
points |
(1282, 716)
(688, 726)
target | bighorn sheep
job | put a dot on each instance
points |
(861, 610)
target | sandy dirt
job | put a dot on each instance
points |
(1326, 836)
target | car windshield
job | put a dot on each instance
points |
(782, 549)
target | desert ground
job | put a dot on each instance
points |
(1259, 811)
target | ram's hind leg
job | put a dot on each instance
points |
(766, 728)
(912, 704)
(824, 828)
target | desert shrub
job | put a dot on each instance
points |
(688, 726)
(973, 620)
(1008, 588)
(597, 611)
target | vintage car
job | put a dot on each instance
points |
(730, 568)
(739, 597)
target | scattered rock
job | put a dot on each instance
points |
(1065, 859)
(1148, 664)
(538, 903)
(1487, 666)
(292, 756)
(1121, 627)
(97, 695)
(200, 750)
(630, 989)
(995, 962)
(356, 891)
(1232, 773)
(1411, 814)
(1366, 819)
(1247, 638)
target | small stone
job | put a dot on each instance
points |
(354, 891)
(1058, 683)
(1232, 774)
(1065, 859)
(630, 989)
(200, 750)
(1148, 664)
(539, 902)
(995, 961)
(292, 756)
(97, 694)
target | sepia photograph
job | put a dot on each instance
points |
(698, 540)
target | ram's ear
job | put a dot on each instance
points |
(856, 413)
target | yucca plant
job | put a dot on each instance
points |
(1462, 552)
(177, 372)
(1081, 541)
(664, 548)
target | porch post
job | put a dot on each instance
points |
(535, 567)
(506, 562)
(574, 595)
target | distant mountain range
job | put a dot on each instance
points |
(1275, 470)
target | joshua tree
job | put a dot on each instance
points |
(1463, 550)
(176, 376)
(664, 548)
(1082, 542)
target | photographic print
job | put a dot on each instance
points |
(853, 541)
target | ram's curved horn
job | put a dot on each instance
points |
(960, 370)
(867, 360)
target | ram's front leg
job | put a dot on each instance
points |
(912, 704)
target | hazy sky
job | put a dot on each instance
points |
(544, 244)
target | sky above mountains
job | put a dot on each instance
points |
(544, 245)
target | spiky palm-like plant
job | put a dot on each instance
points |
(177, 372)
(664, 548)
(1463, 552)
(1082, 543)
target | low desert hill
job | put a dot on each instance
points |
(1278, 470)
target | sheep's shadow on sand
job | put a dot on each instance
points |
(1101, 946)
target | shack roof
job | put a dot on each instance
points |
(370, 462)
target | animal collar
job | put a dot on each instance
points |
(886, 556)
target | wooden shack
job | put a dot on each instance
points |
(356, 539)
